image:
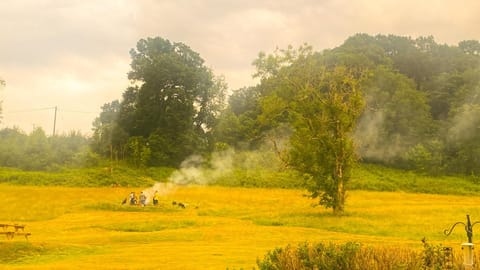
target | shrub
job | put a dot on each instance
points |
(354, 256)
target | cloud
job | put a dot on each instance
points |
(74, 54)
(41, 31)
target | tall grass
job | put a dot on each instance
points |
(379, 178)
(87, 177)
(365, 177)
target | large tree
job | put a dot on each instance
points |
(326, 112)
(322, 105)
(172, 103)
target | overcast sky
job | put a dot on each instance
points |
(74, 54)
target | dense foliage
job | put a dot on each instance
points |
(36, 151)
(420, 100)
(168, 112)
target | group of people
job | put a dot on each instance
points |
(142, 198)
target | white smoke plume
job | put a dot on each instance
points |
(194, 170)
(161, 188)
(466, 120)
(465, 123)
(367, 133)
(371, 141)
(198, 171)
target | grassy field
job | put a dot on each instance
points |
(88, 228)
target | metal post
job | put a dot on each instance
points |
(469, 230)
(54, 120)
(467, 248)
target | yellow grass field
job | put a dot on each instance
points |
(88, 228)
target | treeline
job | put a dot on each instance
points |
(420, 106)
(421, 101)
(36, 151)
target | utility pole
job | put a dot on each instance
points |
(54, 120)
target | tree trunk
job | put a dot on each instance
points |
(339, 202)
(340, 197)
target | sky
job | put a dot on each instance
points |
(74, 54)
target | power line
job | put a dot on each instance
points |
(56, 110)
(50, 108)
(30, 110)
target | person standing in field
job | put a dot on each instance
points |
(132, 198)
(155, 198)
(143, 199)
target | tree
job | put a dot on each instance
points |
(104, 128)
(322, 105)
(12, 147)
(470, 47)
(238, 125)
(38, 149)
(325, 116)
(174, 101)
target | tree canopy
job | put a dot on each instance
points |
(321, 104)
(420, 106)
(168, 111)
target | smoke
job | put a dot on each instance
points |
(190, 172)
(371, 140)
(465, 123)
(367, 133)
(195, 170)
(162, 189)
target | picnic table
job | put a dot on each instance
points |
(18, 230)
